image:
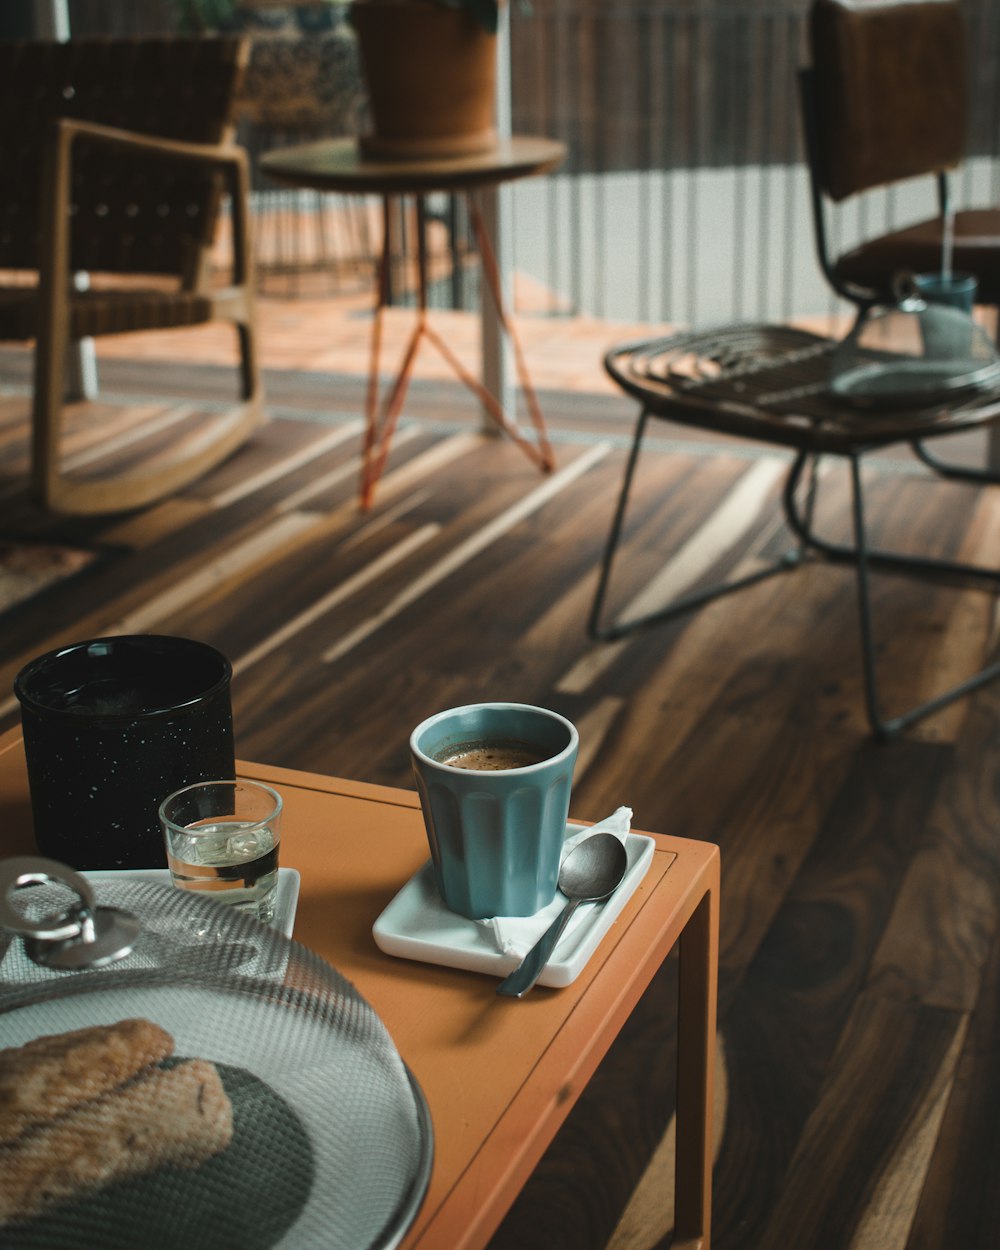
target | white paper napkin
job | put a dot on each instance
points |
(516, 935)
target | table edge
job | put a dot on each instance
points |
(385, 177)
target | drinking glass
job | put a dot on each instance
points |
(947, 335)
(222, 840)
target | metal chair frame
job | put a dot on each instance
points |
(800, 521)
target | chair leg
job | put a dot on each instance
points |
(251, 384)
(860, 555)
(883, 727)
(916, 566)
(61, 492)
(956, 472)
(594, 627)
(47, 414)
(685, 603)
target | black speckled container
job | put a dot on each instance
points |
(111, 727)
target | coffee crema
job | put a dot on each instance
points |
(497, 756)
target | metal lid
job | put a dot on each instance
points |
(264, 1100)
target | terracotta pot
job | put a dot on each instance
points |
(431, 77)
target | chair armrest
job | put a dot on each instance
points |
(228, 158)
(221, 154)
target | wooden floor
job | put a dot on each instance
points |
(859, 1104)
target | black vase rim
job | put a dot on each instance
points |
(163, 642)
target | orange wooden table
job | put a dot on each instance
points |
(499, 1074)
(339, 165)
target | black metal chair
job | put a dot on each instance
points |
(771, 383)
(884, 100)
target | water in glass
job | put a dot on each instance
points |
(232, 860)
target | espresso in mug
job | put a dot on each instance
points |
(493, 756)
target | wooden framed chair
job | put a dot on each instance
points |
(117, 156)
(885, 101)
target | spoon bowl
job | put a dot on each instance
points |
(590, 872)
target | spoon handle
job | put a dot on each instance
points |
(530, 968)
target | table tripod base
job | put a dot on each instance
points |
(381, 420)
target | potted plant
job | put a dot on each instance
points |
(430, 69)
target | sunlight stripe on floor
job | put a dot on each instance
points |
(288, 464)
(127, 438)
(110, 443)
(472, 546)
(236, 560)
(736, 513)
(593, 727)
(180, 594)
(396, 480)
(383, 519)
(893, 1196)
(351, 468)
(648, 1217)
(364, 577)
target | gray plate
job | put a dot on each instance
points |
(911, 384)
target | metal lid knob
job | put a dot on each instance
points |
(83, 936)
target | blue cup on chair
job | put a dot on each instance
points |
(947, 333)
(957, 290)
(494, 781)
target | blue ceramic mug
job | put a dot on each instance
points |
(494, 781)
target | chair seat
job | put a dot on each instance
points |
(95, 313)
(771, 383)
(917, 249)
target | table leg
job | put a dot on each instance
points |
(542, 458)
(371, 397)
(497, 372)
(491, 276)
(380, 426)
(696, 1021)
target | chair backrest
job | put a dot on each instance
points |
(129, 215)
(889, 89)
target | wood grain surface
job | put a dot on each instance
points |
(859, 1009)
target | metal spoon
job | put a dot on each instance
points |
(590, 872)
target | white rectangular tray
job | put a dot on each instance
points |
(417, 925)
(284, 904)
